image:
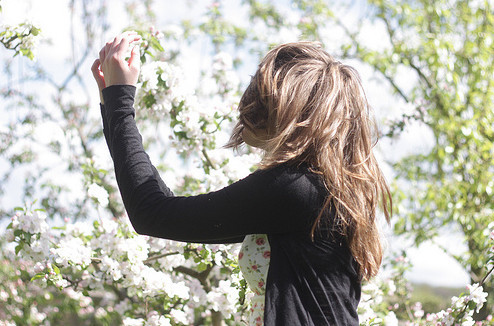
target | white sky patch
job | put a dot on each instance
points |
(432, 266)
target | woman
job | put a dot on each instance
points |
(307, 217)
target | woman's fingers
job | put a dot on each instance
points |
(103, 52)
(121, 44)
(111, 67)
(107, 50)
(117, 45)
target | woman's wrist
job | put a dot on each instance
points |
(118, 96)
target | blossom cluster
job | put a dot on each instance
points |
(29, 228)
(376, 309)
(83, 260)
(22, 38)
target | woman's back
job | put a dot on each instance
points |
(310, 281)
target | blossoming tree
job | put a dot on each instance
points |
(70, 254)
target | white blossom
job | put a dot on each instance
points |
(179, 316)
(223, 298)
(133, 322)
(154, 319)
(112, 267)
(33, 222)
(72, 250)
(390, 319)
(477, 295)
(99, 194)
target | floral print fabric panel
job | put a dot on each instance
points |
(253, 259)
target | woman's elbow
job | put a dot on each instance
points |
(139, 224)
(139, 229)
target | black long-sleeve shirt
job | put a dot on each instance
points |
(309, 282)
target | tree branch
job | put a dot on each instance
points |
(353, 38)
(150, 259)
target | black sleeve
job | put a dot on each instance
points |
(267, 201)
(106, 133)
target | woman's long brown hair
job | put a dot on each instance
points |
(304, 106)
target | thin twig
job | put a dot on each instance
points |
(208, 160)
(150, 259)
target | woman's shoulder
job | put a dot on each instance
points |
(292, 182)
(292, 174)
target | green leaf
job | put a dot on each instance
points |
(38, 276)
(19, 247)
(35, 31)
(201, 267)
(156, 44)
(56, 269)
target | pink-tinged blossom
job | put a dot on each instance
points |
(417, 310)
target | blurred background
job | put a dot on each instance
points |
(427, 68)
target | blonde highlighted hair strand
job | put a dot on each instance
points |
(303, 106)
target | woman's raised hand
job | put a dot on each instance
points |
(111, 68)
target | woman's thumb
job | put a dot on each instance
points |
(98, 74)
